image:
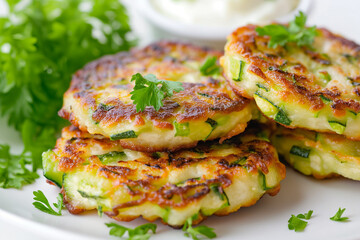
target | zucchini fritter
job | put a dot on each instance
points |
(316, 88)
(98, 100)
(322, 155)
(213, 178)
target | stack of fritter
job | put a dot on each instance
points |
(185, 159)
(314, 89)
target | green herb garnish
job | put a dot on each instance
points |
(295, 223)
(296, 32)
(148, 93)
(306, 216)
(195, 232)
(13, 171)
(138, 233)
(43, 204)
(42, 44)
(338, 216)
(210, 67)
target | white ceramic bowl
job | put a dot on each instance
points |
(165, 27)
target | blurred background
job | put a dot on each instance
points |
(151, 22)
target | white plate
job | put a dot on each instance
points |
(265, 220)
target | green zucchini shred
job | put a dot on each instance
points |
(262, 86)
(338, 127)
(182, 129)
(354, 113)
(282, 118)
(86, 195)
(300, 151)
(100, 211)
(182, 182)
(124, 135)
(263, 181)
(219, 191)
(325, 99)
(111, 157)
(241, 72)
(213, 125)
(325, 76)
(156, 155)
(165, 218)
(240, 162)
(263, 136)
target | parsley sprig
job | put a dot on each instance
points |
(147, 91)
(43, 204)
(297, 224)
(296, 32)
(13, 169)
(41, 45)
(195, 232)
(338, 216)
(138, 233)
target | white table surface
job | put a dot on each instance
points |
(340, 16)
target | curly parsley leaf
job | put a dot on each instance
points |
(195, 232)
(42, 43)
(296, 224)
(295, 32)
(338, 216)
(43, 204)
(210, 67)
(147, 92)
(13, 169)
(138, 233)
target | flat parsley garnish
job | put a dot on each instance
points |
(138, 233)
(43, 204)
(195, 232)
(147, 91)
(338, 216)
(296, 32)
(297, 224)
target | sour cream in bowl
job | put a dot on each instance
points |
(210, 21)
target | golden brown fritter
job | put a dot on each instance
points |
(210, 179)
(315, 87)
(98, 100)
(322, 155)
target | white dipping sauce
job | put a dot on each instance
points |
(230, 13)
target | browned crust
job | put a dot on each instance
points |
(267, 63)
(163, 59)
(77, 134)
(72, 152)
(133, 145)
(143, 178)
